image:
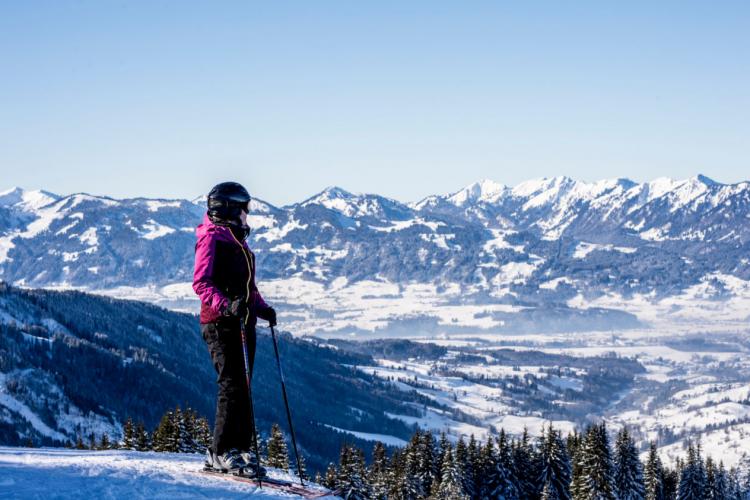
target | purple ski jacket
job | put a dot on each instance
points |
(224, 270)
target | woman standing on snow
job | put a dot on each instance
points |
(224, 279)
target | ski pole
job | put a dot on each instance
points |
(286, 403)
(250, 394)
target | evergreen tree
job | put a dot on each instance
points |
(671, 480)
(92, 441)
(331, 477)
(104, 444)
(744, 475)
(127, 435)
(409, 485)
(443, 445)
(278, 455)
(378, 472)
(573, 442)
(204, 435)
(734, 485)
(182, 432)
(451, 480)
(500, 484)
(692, 482)
(653, 475)
(79, 443)
(396, 472)
(554, 465)
(524, 469)
(596, 466)
(303, 468)
(461, 458)
(141, 438)
(190, 432)
(578, 483)
(426, 467)
(473, 473)
(710, 478)
(509, 485)
(721, 489)
(351, 474)
(717, 483)
(172, 437)
(628, 470)
(487, 469)
(163, 439)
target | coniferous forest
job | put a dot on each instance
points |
(594, 464)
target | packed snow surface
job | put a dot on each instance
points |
(62, 473)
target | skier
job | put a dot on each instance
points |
(224, 279)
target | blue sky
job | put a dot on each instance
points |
(405, 99)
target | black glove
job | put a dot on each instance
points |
(268, 314)
(236, 308)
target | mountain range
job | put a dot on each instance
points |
(590, 253)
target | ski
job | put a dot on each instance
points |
(272, 483)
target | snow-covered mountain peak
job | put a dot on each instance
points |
(351, 204)
(484, 191)
(659, 187)
(705, 180)
(614, 183)
(73, 200)
(329, 197)
(11, 196)
(27, 199)
(677, 192)
(543, 191)
(590, 191)
(200, 200)
(535, 187)
(690, 191)
(258, 205)
(337, 192)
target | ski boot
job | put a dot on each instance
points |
(252, 468)
(208, 465)
(230, 462)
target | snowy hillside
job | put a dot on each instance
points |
(74, 365)
(62, 473)
(545, 255)
(665, 386)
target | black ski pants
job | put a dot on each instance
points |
(234, 425)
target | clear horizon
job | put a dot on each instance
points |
(7, 190)
(139, 99)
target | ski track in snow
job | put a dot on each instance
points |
(53, 473)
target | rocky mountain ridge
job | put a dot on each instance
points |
(653, 237)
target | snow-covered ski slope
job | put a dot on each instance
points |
(61, 473)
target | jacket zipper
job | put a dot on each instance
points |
(249, 274)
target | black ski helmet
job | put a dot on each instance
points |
(227, 200)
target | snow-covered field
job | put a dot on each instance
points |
(53, 473)
(694, 386)
(490, 405)
(373, 308)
